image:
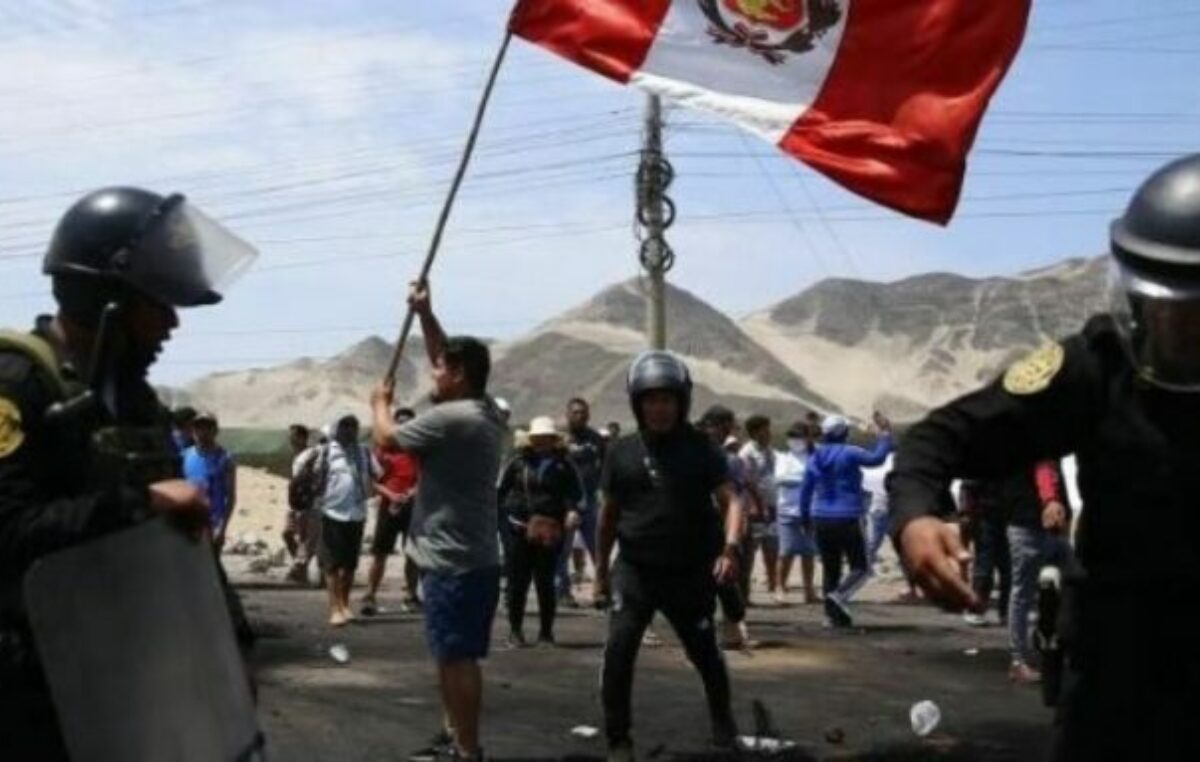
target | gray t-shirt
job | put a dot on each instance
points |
(454, 523)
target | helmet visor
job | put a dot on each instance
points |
(184, 258)
(1159, 321)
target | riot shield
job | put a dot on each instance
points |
(136, 642)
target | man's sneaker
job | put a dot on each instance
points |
(621, 752)
(651, 639)
(1023, 674)
(298, 574)
(546, 641)
(517, 640)
(439, 746)
(841, 607)
(369, 607)
(975, 620)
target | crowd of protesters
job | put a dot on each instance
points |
(482, 512)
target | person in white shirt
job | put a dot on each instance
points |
(794, 539)
(760, 463)
(350, 473)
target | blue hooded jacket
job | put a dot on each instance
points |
(833, 479)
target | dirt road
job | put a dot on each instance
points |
(837, 695)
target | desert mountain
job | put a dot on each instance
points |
(584, 352)
(306, 390)
(842, 344)
(906, 346)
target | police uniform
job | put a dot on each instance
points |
(1133, 662)
(53, 494)
(76, 460)
(1124, 397)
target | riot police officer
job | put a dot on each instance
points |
(658, 486)
(1124, 397)
(121, 261)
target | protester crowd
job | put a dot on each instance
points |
(509, 510)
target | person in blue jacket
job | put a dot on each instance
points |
(831, 500)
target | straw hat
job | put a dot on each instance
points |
(543, 426)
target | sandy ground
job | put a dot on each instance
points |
(839, 696)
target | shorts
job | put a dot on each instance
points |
(459, 610)
(763, 531)
(388, 528)
(794, 540)
(341, 544)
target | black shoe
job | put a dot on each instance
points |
(439, 746)
(725, 734)
(546, 641)
(620, 751)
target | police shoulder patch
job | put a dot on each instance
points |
(12, 436)
(1036, 371)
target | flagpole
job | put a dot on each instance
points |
(448, 206)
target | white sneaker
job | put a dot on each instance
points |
(975, 620)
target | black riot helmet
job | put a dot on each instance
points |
(1155, 281)
(659, 371)
(120, 240)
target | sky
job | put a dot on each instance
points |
(326, 134)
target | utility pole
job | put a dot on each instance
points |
(656, 213)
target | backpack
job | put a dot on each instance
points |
(308, 486)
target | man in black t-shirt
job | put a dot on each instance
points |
(658, 486)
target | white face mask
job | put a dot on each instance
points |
(798, 446)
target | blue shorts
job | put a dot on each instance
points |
(794, 541)
(459, 609)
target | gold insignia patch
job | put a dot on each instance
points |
(1034, 373)
(12, 436)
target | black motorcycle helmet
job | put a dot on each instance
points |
(658, 371)
(120, 240)
(1155, 280)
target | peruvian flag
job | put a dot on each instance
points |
(882, 96)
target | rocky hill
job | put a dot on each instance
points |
(905, 346)
(846, 345)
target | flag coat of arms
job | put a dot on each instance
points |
(883, 96)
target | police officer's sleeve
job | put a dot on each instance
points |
(1041, 408)
(33, 523)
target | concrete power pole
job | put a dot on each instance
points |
(656, 213)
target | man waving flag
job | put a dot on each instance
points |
(882, 96)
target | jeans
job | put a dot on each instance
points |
(877, 533)
(587, 530)
(1032, 549)
(841, 540)
(991, 559)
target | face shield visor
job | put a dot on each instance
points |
(1158, 318)
(184, 258)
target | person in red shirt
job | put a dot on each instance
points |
(396, 490)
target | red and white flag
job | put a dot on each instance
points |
(882, 96)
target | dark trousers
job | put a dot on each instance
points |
(733, 605)
(531, 563)
(28, 722)
(688, 600)
(992, 560)
(840, 541)
(1133, 674)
